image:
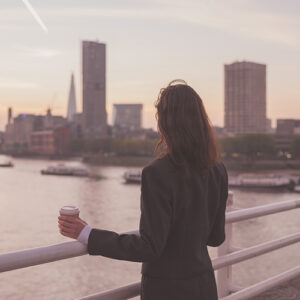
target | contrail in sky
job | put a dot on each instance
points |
(35, 15)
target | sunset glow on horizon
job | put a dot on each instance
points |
(149, 43)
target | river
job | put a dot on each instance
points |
(28, 218)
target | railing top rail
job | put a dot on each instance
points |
(36, 256)
(256, 250)
(133, 289)
(262, 210)
(123, 292)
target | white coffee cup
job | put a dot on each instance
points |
(70, 211)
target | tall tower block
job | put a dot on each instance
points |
(245, 97)
(94, 89)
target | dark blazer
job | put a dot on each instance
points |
(180, 217)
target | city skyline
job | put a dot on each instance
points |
(201, 38)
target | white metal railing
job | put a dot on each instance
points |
(41, 255)
(265, 285)
(227, 256)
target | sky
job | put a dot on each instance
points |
(149, 43)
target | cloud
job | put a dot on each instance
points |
(273, 27)
(240, 18)
(35, 51)
(244, 21)
(12, 84)
(40, 52)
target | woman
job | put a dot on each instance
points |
(183, 201)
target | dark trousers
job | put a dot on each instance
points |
(202, 287)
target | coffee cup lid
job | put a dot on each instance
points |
(69, 210)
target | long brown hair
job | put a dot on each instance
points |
(186, 133)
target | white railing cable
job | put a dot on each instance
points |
(263, 286)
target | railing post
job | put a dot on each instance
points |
(224, 274)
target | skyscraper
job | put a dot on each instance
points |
(128, 115)
(72, 100)
(245, 97)
(94, 89)
(9, 116)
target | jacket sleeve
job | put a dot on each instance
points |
(155, 220)
(217, 234)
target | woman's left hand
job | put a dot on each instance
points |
(70, 226)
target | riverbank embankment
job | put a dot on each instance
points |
(236, 166)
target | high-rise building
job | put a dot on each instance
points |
(94, 89)
(245, 98)
(128, 115)
(71, 101)
(9, 116)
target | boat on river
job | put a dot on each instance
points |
(7, 164)
(63, 170)
(297, 188)
(269, 181)
(133, 176)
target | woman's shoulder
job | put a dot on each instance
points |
(163, 167)
(220, 168)
(160, 165)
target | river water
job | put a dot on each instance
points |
(28, 218)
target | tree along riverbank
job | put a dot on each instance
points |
(127, 161)
(262, 165)
(233, 165)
